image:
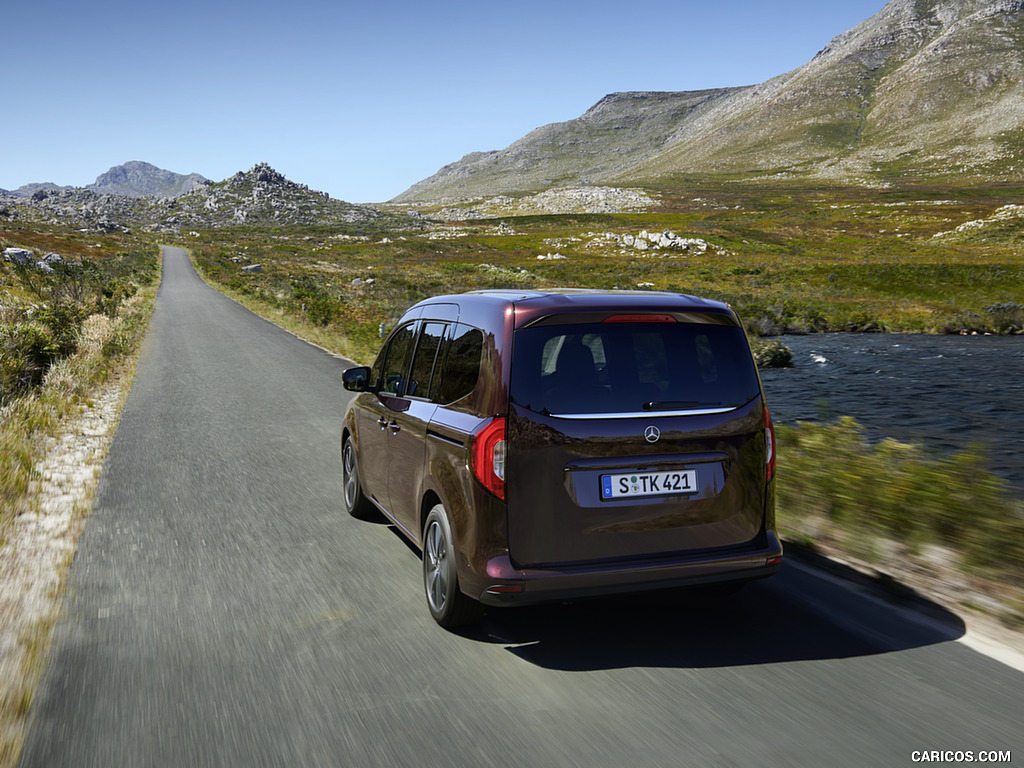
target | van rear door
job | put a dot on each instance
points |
(635, 436)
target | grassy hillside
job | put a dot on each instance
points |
(790, 258)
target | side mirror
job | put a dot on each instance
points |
(356, 379)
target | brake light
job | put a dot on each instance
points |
(639, 319)
(487, 457)
(769, 444)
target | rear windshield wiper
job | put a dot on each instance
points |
(675, 405)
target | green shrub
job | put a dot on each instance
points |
(63, 319)
(1006, 317)
(111, 293)
(771, 354)
(320, 306)
(899, 490)
(26, 351)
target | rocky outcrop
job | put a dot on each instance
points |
(258, 197)
(24, 257)
(261, 196)
(666, 239)
(553, 201)
(585, 200)
(81, 209)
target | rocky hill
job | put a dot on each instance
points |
(28, 190)
(138, 179)
(925, 89)
(258, 197)
(261, 196)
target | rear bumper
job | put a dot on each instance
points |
(504, 584)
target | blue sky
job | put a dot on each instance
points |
(360, 100)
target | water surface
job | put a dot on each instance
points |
(945, 391)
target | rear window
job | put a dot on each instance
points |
(631, 368)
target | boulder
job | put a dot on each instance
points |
(253, 268)
(18, 255)
(667, 239)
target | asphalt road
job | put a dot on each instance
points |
(224, 610)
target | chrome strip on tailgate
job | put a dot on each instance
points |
(644, 414)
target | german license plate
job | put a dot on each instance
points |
(631, 484)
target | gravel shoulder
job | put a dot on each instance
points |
(36, 558)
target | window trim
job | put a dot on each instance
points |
(448, 341)
(441, 347)
(408, 364)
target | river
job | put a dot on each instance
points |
(944, 391)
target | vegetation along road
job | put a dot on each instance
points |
(224, 610)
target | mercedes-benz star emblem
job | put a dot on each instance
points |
(652, 433)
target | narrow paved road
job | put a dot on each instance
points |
(223, 610)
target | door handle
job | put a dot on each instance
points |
(395, 428)
(383, 423)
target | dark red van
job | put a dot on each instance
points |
(544, 446)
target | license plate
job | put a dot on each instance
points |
(632, 484)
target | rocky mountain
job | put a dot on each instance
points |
(27, 190)
(258, 197)
(138, 179)
(925, 89)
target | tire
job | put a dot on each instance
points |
(446, 602)
(355, 501)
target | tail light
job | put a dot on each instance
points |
(639, 318)
(769, 444)
(487, 457)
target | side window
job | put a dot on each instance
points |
(461, 367)
(423, 363)
(595, 343)
(396, 362)
(706, 359)
(549, 354)
(652, 362)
